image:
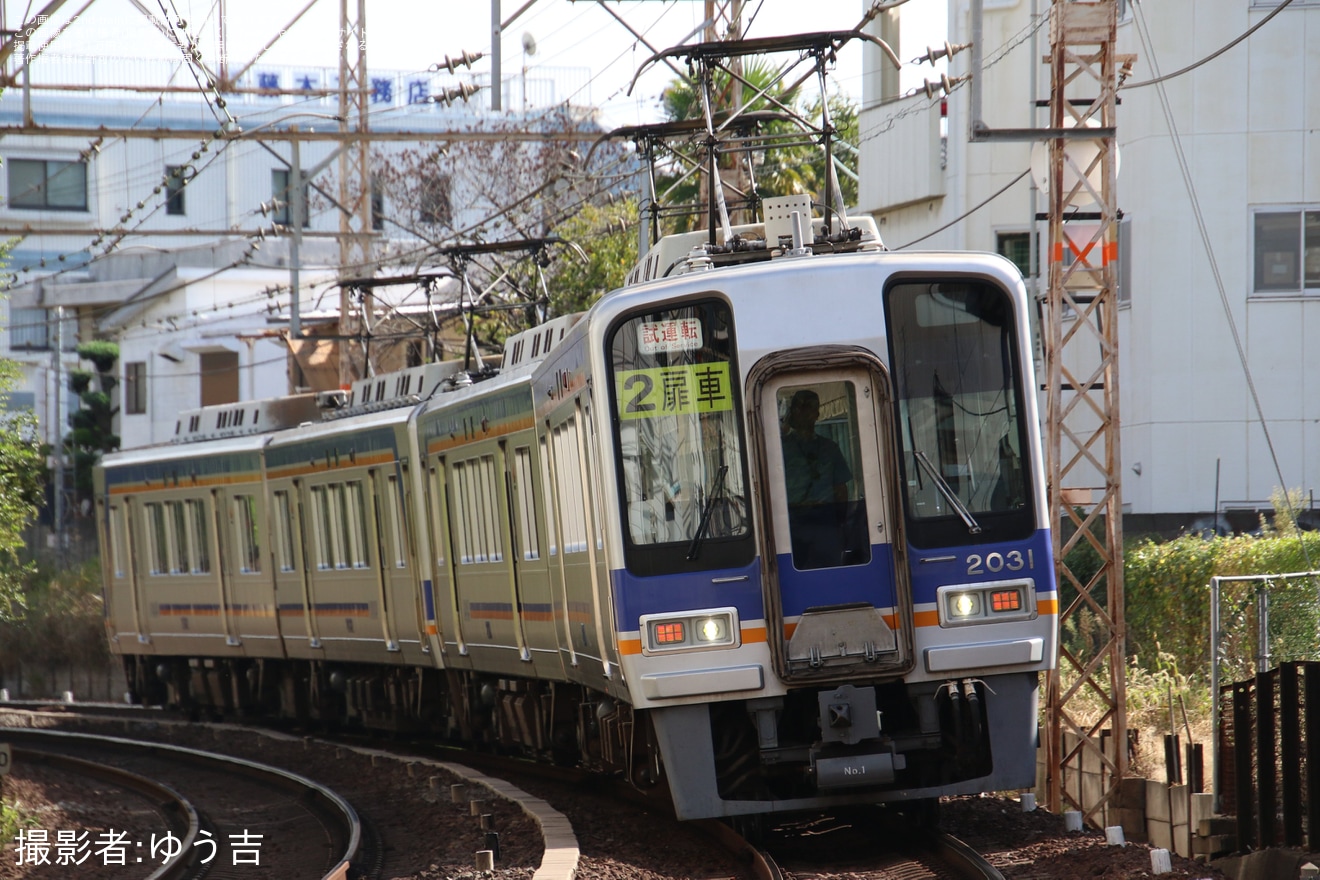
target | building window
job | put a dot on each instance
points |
(1287, 251)
(135, 388)
(1017, 247)
(174, 183)
(435, 206)
(282, 190)
(28, 329)
(47, 185)
(1124, 269)
(377, 208)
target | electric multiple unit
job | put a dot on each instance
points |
(767, 524)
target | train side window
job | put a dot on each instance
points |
(527, 523)
(118, 553)
(355, 525)
(176, 524)
(198, 537)
(245, 529)
(462, 513)
(490, 510)
(546, 497)
(153, 515)
(438, 517)
(322, 528)
(568, 473)
(337, 523)
(394, 520)
(592, 474)
(283, 531)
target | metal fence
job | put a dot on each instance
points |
(1269, 735)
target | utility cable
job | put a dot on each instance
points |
(1005, 188)
(1211, 57)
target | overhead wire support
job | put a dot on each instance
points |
(1082, 405)
(705, 60)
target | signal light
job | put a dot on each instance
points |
(1006, 600)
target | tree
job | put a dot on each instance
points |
(779, 171)
(605, 236)
(22, 483)
(92, 433)
(500, 191)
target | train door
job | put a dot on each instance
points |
(125, 604)
(509, 516)
(297, 513)
(555, 524)
(208, 516)
(378, 528)
(402, 559)
(836, 592)
(442, 558)
(529, 555)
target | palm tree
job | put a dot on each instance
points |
(798, 166)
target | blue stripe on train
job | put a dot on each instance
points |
(872, 583)
(663, 594)
(982, 563)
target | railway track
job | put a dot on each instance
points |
(222, 817)
(872, 843)
(810, 848)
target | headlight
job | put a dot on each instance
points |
(963, 605)
(713, 629)
(690, 630)
(987, 603)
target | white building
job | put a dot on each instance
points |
(197, 290)
(1227, 252)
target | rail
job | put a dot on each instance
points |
(174, 807)
(315, 797)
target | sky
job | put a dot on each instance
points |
(593, 55)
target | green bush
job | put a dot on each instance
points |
(1167, 599)
(80, 380)
(101, 352)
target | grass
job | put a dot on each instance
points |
(1160, 700)
(12, 818)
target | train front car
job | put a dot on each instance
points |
(836, 582)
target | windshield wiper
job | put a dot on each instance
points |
(716, 491)
(947, 491)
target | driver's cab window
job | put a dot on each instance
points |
(823, 475)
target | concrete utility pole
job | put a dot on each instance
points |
(57, 367)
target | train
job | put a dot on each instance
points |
(766, 525)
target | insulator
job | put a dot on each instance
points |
(934, 54)
(463, 60)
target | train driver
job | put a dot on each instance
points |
(816, 477)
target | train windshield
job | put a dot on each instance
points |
(682, 471)
(957, 371)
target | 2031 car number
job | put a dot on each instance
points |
(1013, 560)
